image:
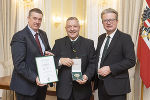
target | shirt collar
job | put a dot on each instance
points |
(32, 31)
(112, 34)
(74, 39)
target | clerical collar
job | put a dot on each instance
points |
(74, 39)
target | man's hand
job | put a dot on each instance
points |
(104, 71)
(38, 82)
(47, 53)
(85, 78)
(66, 61)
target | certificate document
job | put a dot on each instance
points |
(76, 69)
(46, 69)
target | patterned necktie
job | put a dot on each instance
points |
(105, 48)
(38, 43)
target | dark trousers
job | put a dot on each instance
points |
(40, 95)
(64, 99)
(74, 98)
(102, 94)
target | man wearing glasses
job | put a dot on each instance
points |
(115, 55)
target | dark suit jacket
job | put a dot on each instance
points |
(24, 50)
(85, 51)
(120, 57)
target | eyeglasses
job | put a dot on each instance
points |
(109, 20)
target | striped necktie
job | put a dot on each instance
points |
(105, 48)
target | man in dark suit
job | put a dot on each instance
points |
(27, 44)
(66, 88)
(114, 56)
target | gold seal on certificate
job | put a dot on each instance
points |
(76, 69)
(46, 69)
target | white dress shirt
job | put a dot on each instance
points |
(102, 47)
(41, 43)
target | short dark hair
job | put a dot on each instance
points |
(73, 18)
(109, 10)
(37, 10)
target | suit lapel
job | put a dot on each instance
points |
(32, 38)
(100, 42)
(67, 45)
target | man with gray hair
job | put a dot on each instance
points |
(114, 56)
(65, 50)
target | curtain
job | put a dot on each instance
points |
(7, 28)
(92, 19)
(130, 12)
